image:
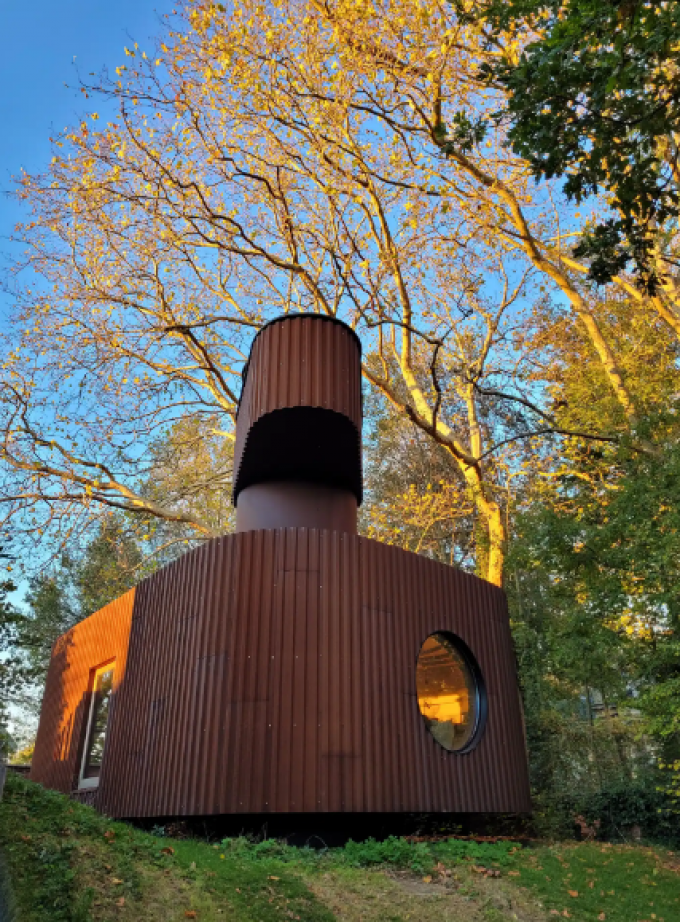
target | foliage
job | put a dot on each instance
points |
(622, 808)
(414, 494)
(392, 851)
(672, 782)
(108, 566)
(595, 612)
(190, 469)
(420, 856)
(12, 673)
(52, 610)
(620, 811)
(344, 158)
(287, 156)
(594, 97)
(23, 756)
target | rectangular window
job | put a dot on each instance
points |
(98, 718)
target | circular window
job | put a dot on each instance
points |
(449, 691)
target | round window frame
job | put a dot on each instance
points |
(481, 698)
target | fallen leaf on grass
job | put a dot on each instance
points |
(271, 877)
(602, 917)
(190, 914)
(428, 879)
(573, 893)
(121, 901)
(109, 834)
(566, 914)
(168, 850)
(513, 873)
(116, 880)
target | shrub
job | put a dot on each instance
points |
(619, 810)
(392, 851)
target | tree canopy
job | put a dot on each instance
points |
(594, 97)
(290, 156)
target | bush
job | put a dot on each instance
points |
(419, 857)
(483, 853)
(393, 851)
(617, 812)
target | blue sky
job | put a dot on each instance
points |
(39, 41)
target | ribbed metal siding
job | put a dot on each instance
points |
(275, 671)
(301, 361)
(96, 640)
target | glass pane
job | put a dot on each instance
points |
(98, 721)
(447, 692)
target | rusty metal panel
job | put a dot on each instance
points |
(274, 671)
(304, 360)
(75, 655)
(301, 360)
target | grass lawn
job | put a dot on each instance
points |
(598, 881)
(68, 864)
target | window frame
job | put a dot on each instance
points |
(83, 782)
(481, 696)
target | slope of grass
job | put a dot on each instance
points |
(68, 864)
(599, 881)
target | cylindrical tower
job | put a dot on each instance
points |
(297, 459)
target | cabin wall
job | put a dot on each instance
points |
(75, 656)
(274, 671)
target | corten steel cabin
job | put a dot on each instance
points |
(293, 666)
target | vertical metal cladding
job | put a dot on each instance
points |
(76, 654)
(302, 360)
(300, 363)
(274, 671)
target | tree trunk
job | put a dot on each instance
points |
(492, 518)
(497, 542)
